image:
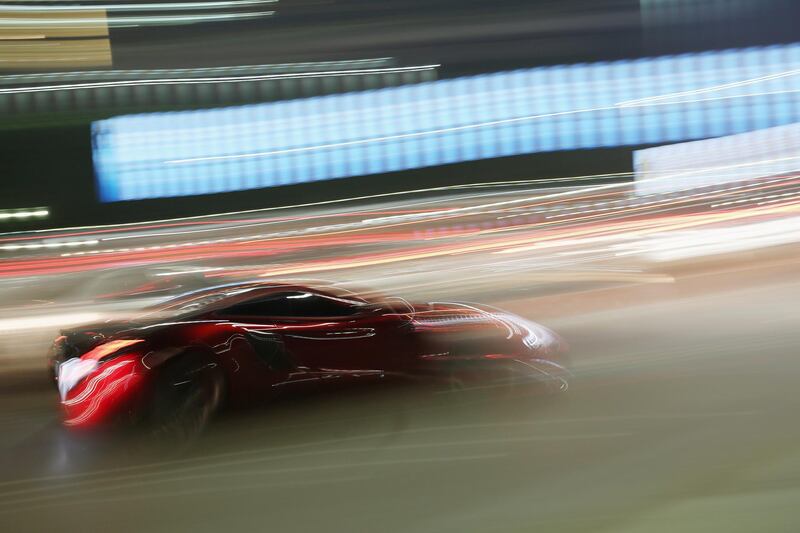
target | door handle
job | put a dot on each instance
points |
(354, 333)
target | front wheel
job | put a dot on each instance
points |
(186, 396)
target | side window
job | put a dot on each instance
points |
(277, 304)
(318, 305)
(296, 304)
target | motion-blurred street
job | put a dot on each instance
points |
(399, 266)
(680, 414)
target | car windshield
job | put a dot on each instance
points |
(297, 304)
(188, 304)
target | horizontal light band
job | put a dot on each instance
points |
(757, 154)
(24, 214)
(130, 20)
(165, 6)
(220, 79)
(120, 74)
(646, 101)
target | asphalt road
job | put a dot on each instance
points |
(681, 416)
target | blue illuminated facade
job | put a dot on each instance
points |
(645, 101)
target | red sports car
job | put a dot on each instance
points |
(172, 367)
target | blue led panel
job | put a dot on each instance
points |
(654, 100)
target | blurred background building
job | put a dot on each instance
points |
(66, 67)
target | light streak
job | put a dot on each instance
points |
(188, 72)
(120, 21)
(219, 79)
(384, 138)
(649, 100)
(47, 245)
(47, 321)
(35, 212)
(166, 6)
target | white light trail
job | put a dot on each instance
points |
(35, 212)
(221, 79)
(326, 202)
(140, 73)
(119, 21)
(716, 241)
(653, 99)
(47, 321)
(48, 245)
(166, 6)
(384, 138)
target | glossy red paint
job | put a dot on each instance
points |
(111, 390)
(265, 338)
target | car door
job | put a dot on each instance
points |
(325, 334)
(328, 333)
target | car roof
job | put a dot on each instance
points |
(221, 295)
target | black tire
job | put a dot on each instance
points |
(187, 395)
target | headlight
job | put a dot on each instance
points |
(72, 371)
(534, 336)
(102, 351)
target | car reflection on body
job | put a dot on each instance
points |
(173, 367)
